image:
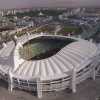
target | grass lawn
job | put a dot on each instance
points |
(70, 29)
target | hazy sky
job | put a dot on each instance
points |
(46, 3)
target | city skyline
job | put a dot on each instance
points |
(47, 3)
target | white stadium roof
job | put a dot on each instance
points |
(74, 55)
(71, 56)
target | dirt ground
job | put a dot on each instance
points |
(87, 90)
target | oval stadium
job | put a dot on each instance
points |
(47, 62)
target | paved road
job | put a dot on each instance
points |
(88, 90)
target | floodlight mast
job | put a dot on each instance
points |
(28, 34)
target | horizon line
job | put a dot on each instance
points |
(52, 7)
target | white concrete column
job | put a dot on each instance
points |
(73, 82)
(39, 88)
(93, 73)
(10, 87)
(92, 70)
